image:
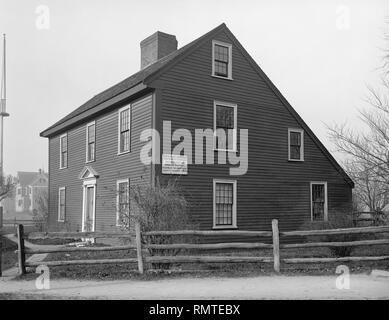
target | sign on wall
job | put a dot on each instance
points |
(174, 164)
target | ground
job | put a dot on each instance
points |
(362, 286)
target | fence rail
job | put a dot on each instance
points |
(154, 249)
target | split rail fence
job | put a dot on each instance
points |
(143, 257)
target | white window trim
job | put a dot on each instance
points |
(129, 124)
(229, 46)
(60, 151)
(59, 204)
(91, 183)
(93, 123)
(117, 198)
(234, 220)
(325, 200)
(301, 131)
(235, 130)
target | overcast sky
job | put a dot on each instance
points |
(320, 54)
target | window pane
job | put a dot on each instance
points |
(224, 203)
(221, 53)
(318, 201)
(124, 130)
(295, 138)
(91, 151)
(224, 117)
(221, 69)
(295, 145)
(91, 133)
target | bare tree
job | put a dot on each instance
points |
(6, 187)
(367, 149)
(369, 191)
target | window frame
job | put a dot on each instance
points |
(235, 130)
(65, 135)
(129, 107)
(301, 131)
(118, 182)
(59, 204)
(93, 123)
(234, 205)
(325, 217)
(229, 68)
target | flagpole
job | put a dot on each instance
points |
(3, 109)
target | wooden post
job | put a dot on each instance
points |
(276, 245)
(1, 217)
(21, 252)
(138, 237)
(1, 253)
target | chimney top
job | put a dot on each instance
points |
(157, 46)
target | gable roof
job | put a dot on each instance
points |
(39, 176)
(153, 71)
(126, 84)
(26, 178)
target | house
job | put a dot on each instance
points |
(98, 150)
(28, 189)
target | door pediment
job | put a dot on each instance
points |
(88, 173)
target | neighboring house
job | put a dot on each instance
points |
(29, 187)
(94, 152)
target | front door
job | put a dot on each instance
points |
(89, 208)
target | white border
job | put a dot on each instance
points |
(117, 197)
(325, 200)
(301, 131)
(234, 223)
(229, 46)
(60, 151)
(225, 104)
(93, 123)
(129, 126)
(59, 204)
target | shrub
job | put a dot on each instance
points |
(336, 220)
(159, 208)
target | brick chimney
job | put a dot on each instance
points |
(156, 46)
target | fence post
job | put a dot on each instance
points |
(21, 252)
(1, 217)
(138, 237)
(276, 245)
(1, 253)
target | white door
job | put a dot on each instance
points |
(89, 208)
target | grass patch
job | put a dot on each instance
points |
(129, 271)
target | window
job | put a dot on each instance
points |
(319, 206)
(224, 204)
(61, 204)
(221, 60)
(90, 142)
(123, 201)
(124, 130)
(225, 119)
(296, 144)
(20, 203)
(63, 142)
(19, 191)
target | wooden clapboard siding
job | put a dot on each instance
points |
(109, 165)
(273, 187)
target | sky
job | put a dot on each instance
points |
(60, 53)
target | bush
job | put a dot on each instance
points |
(159, 208)
(336, 220)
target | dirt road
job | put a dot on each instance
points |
(264, 287)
